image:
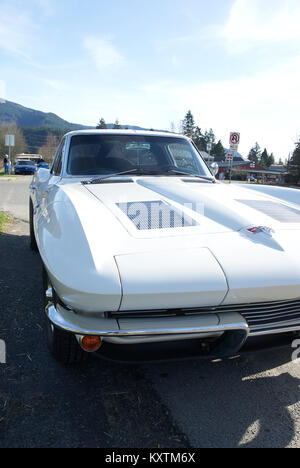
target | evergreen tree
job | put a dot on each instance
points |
(199, 139)
(210, 137)
(116, 125)
(188, 125)
(295, 159)
(271, 160)
(254, 154)
(264, 159)
(101, 124)
(218, 150)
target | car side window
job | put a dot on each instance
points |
(57, 163)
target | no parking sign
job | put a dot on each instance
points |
(234, 138)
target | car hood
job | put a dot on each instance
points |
(167, 206)
(169, 242)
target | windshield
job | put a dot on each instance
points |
(110, 154)
(25, 163)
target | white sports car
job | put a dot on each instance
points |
(146, 255)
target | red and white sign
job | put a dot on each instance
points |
(234, 138)
(229, 157)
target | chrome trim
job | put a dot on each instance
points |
(273, 331)
(37, 206)
(49, 293)
(57, 319)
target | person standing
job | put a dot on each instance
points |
(6, 166)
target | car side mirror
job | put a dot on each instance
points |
(214, 168)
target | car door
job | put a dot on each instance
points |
(45, 181)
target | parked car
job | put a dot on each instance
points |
(147, 256)
(25, 167)
(43, 164)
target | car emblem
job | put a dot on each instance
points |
(263, 229)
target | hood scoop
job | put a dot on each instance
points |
(277, 211)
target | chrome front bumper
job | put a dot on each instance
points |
(204, 325)
(228, 330)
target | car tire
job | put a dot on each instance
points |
(62, 345)
(33, 244)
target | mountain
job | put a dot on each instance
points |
(38, 126)
(12, 113)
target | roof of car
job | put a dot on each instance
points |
(126, 132)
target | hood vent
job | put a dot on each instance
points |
(149, 215)
(278, 211)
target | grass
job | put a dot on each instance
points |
(6, 175)
(4, 219)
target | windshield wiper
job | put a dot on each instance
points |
(179, 172)
(141, 172)
(137, 171)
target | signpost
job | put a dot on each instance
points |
(10, 142)
(209, 148)
(234, 141)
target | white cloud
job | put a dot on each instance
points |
(252, 22)
(103, 52)
(55, 84)
(16, 28)
(19, 25)
(263, 108)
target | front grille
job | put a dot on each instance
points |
(272, 315)
(259, 316)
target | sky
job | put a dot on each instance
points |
(234, 63)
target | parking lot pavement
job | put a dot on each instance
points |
(14, 196)
(252, 401)
(45, 404)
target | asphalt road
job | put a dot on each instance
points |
(251, 401)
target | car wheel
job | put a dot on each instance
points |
(33, 244)
(62, 345)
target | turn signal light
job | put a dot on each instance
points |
(91, 343)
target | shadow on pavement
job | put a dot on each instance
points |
(44, 404)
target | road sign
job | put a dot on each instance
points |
(234, 148)
(229, 157)
(9, 140)
(234, 138)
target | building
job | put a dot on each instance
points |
(247, 169)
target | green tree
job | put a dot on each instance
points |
(255, 153)
(116, 125)
(295, 159)
(210, 137)
(218, 150)
(264, 159)
(271, 160)
(199, 139)
(188, 125)
(101, 124)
